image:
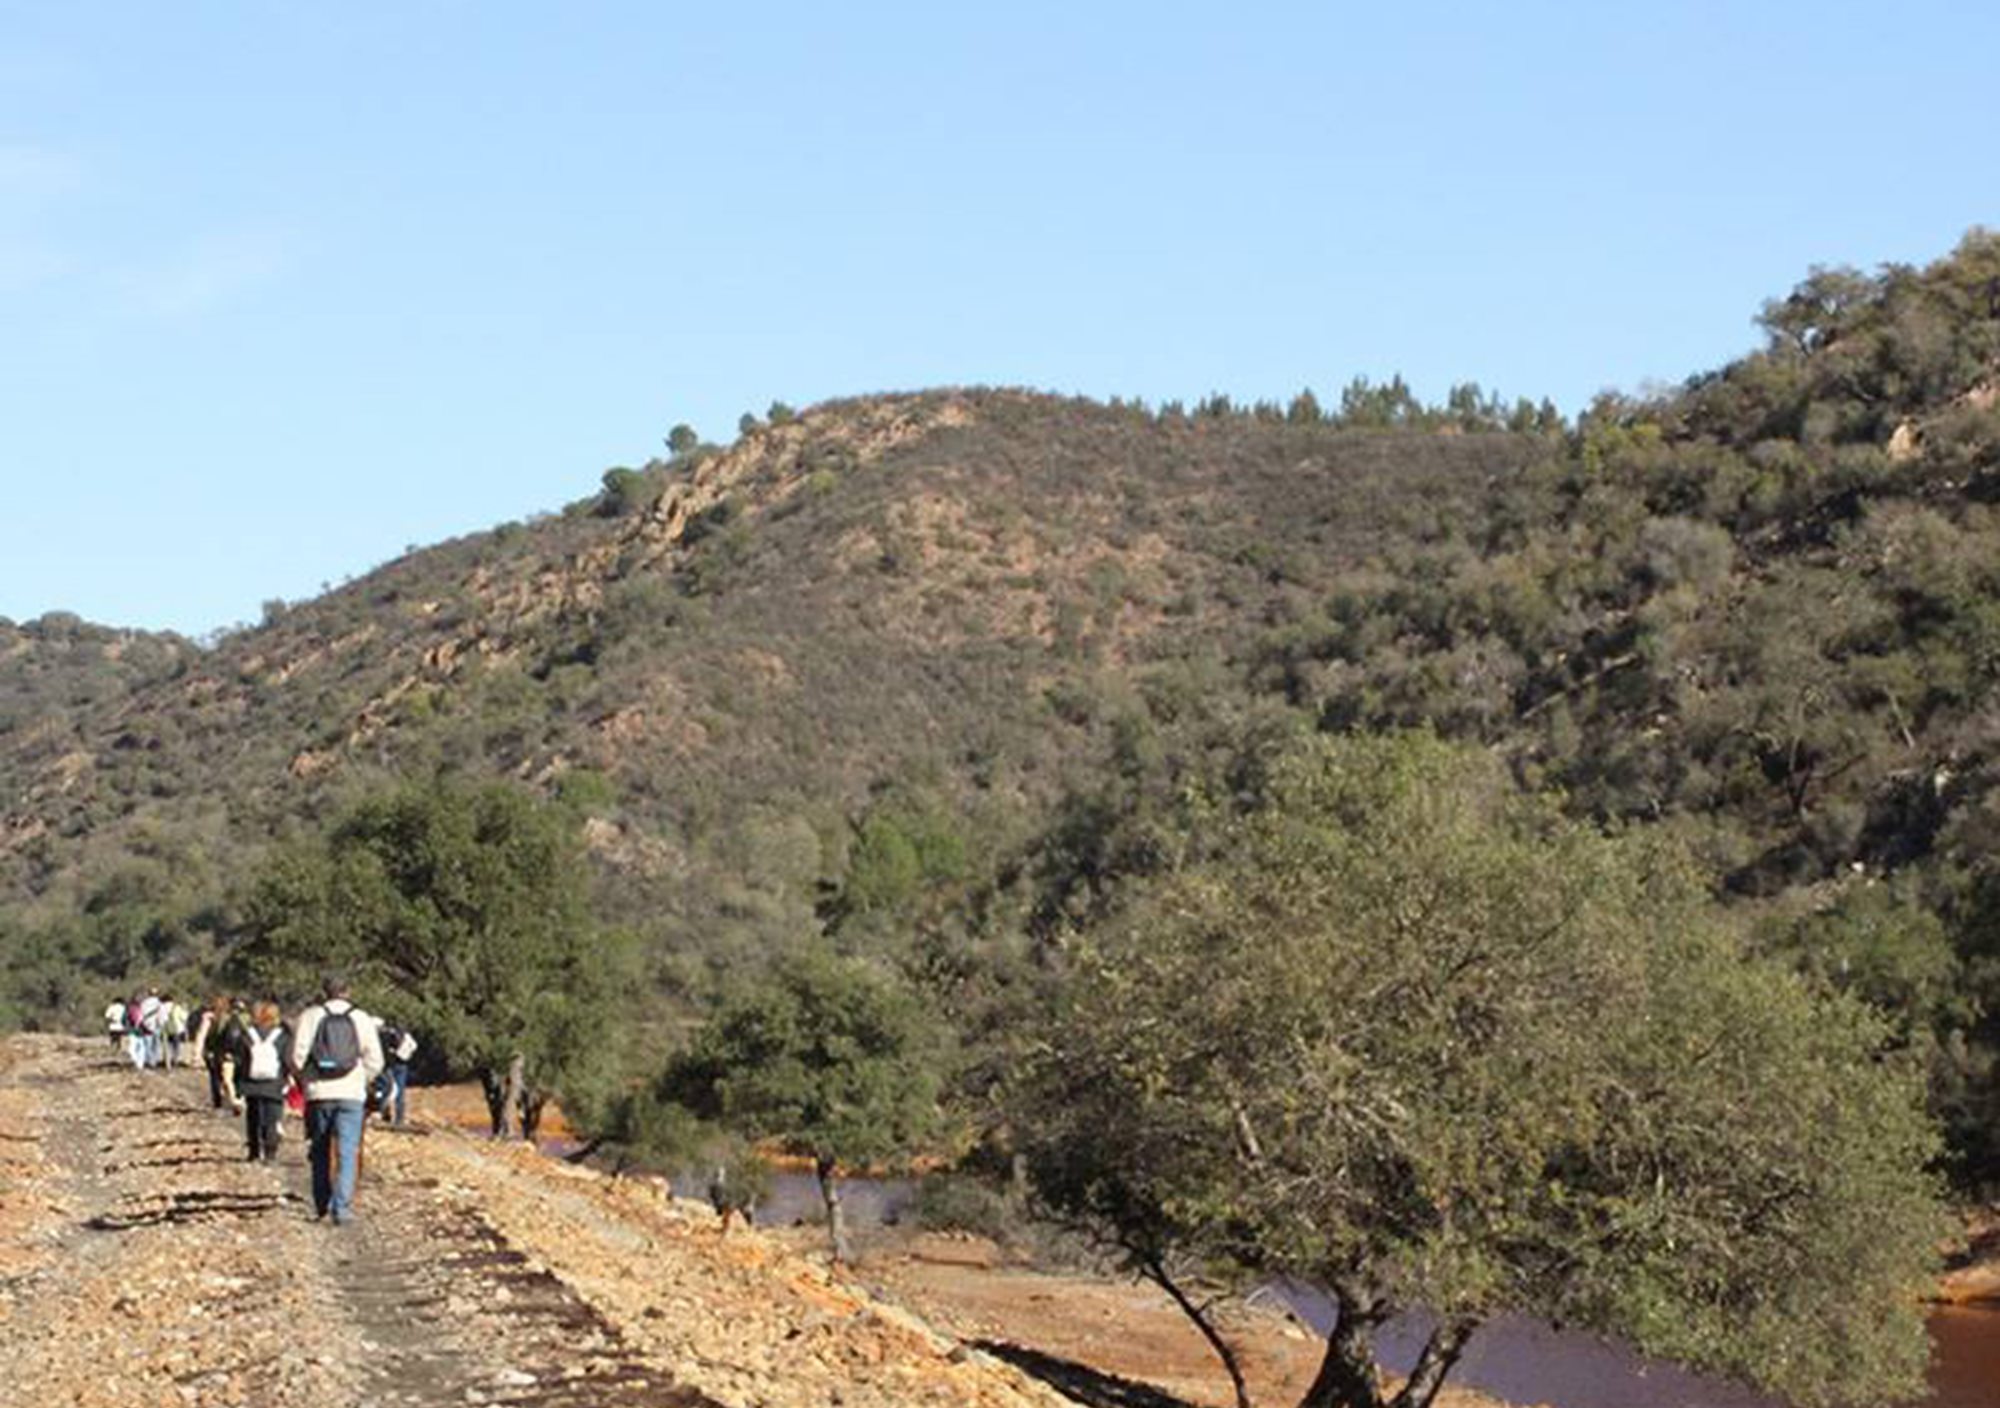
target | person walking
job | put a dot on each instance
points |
(135, 1034)
(152, 1021)
(261, 1047)
(114, 1024)
(398, 1046)
(174, 1027)
(214, 1036)
(336, 1052)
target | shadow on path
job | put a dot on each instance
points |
(188, 1205)
(1080, 1382)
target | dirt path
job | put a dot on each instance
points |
(143, 1261)
(145, 1264)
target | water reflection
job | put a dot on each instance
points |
(1524, 1361)
(794, 1198)
(1965, 1359)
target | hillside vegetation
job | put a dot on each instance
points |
(60, 664)
(935, 674)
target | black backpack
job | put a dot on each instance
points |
(336, 1047)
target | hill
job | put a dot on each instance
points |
(925, 662)
(937, 607)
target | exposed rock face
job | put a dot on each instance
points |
(143, 1261)
(1905, 443)
(1972, 1285)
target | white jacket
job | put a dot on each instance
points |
(353, 1085)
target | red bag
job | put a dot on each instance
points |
(295, 1100)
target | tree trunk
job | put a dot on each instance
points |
(533, 1098)
(1441, 1352)
(836, 1216)
(1347, 1377)
(1224, 1350)
(517, 1088)
(497, 1109)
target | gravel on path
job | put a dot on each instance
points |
(145, 1261)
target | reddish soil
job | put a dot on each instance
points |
(463, 1106)
(1121, 1330)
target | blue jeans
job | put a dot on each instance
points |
(333, 1132)
(399, 1085)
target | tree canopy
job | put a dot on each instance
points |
(1412, 1036)
(831, 1056)
(461, 911)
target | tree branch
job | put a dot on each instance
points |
(1155, 1271)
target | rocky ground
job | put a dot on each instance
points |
(1114, 1342)
(144, 1262)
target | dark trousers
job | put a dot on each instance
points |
(260, 1124)
(215, 1083)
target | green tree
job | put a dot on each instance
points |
(1367, 406)
(683, 440)
(1806, 319)
(461, 912)
(1414, 1038)
(898, 851)
(831, 1056)
(627, 491)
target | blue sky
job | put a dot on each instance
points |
(286, 287)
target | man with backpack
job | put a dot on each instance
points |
(336, 1053)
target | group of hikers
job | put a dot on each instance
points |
(151, 1028)
(334, 1064)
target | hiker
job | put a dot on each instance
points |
(174, 1027)
(152, 1014)
(135, 1033)
(398, 1046)
(257, 1062)
(732, 1197)
(114, 1023)
(205, 1036)
(336, 1052)
(213, 1036)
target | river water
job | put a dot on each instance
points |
(1524, 1361)
(1516, 1359)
